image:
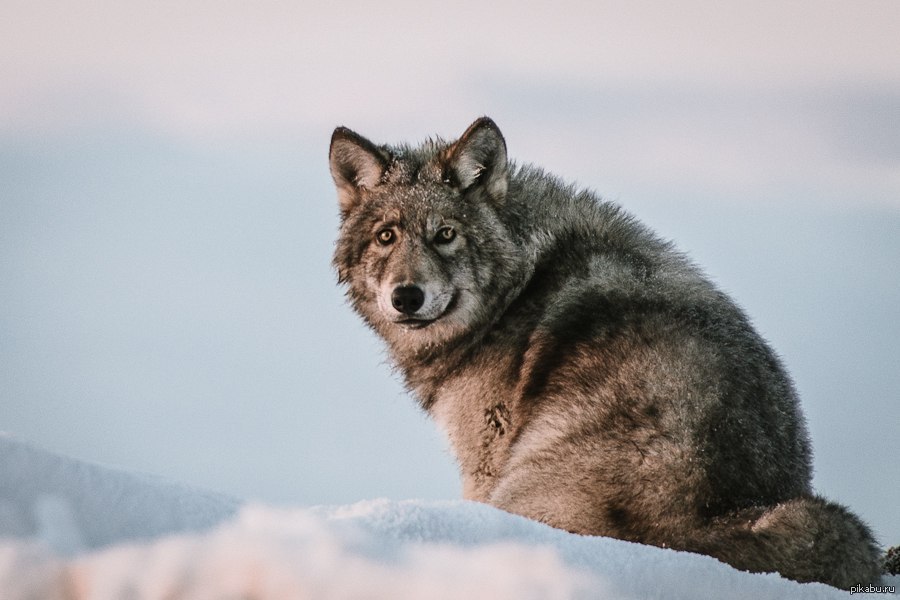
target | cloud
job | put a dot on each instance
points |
(739, 98)
(209, 67)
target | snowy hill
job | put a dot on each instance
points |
(69, 529)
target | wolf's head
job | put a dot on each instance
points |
(424, 248)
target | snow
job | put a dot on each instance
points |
(73, 530)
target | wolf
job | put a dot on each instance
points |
(586, 373)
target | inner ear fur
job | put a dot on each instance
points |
(356, 164)
(477, 161)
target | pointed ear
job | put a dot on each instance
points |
(356, 163)
(477, 161)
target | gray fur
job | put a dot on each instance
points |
(587, 374)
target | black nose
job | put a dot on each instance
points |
(407, 298)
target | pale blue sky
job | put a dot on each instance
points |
(167, 217)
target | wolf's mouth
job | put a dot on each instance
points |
(412, 322)
(415, 323)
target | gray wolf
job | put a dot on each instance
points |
(586, 373)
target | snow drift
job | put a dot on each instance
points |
(73, 530)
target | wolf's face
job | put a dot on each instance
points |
(421, 246)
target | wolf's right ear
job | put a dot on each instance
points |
(356, 163)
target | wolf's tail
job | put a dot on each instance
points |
(891, 563)
(804, 539)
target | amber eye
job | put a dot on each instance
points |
(445, 235)
(385, 237)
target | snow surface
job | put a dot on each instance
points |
(72, 530)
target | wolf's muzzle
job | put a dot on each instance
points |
(407, 298)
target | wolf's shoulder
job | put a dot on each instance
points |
(576, 226)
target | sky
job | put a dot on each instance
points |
(167, 217)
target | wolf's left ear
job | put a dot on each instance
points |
(356, 164)
(477, 161)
